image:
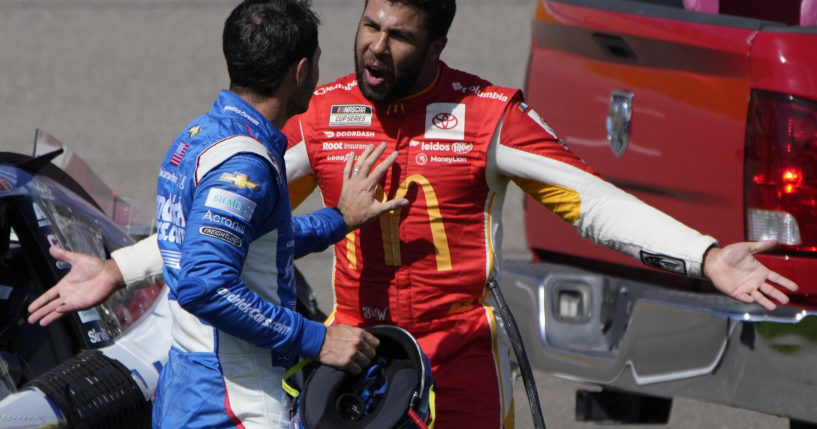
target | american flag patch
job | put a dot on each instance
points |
(181, 149)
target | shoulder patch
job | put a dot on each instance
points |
(230, 202)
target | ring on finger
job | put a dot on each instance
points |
(356, 170)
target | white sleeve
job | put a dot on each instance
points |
(140, 263)
(602, 212)
(297, 162)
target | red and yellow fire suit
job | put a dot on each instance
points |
(425, 267)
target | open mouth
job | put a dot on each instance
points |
(375, 76)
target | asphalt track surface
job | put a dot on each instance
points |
(116, 80)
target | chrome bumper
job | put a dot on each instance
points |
(645, 338)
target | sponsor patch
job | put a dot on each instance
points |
(253, 313)
(177, 156)
(374, 313)
(193, 132)
(541, 122)
(343, 115)
(445, 121)
(221, 234)
(170, 218)
(42, 219)
(477, 90)
(239, 180)
(332, 146)
(230, 202)
(448, 159)
(89, 315)
(242, 113)
(169, 176)
(663, 262)
(224, 221)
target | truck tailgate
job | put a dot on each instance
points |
(689, 76)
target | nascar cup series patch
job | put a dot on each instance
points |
(343, 115)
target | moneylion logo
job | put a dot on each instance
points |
(445, 121)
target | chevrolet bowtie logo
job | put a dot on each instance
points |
(238, 180)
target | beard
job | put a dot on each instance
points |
(393, 87)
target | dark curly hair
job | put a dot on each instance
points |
(262, 39)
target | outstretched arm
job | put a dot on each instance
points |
(736, 272)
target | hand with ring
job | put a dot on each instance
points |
(357, 201)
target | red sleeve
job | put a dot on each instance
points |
(524, 129)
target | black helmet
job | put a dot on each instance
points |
(394, 391)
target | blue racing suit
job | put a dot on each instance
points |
(228, 239)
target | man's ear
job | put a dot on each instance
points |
(303, 70)
(437, 47)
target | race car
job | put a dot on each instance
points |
(95, 368)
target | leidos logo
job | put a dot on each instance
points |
(445, 121)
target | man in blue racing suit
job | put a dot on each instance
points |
(227, 237)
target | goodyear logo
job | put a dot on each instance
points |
(342, 115)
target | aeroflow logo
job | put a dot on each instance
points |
(445, 121)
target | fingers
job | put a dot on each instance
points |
(62, 254)
(762, 300)
(45, 312)
(369, 344)
(782, 281)
(762, 246)
(393, 204)
(364, 164)
(367, 159)
(50, 317)
(383, 167)
(347, 169)
(43, 299)
(775, 294)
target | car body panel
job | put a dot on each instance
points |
(656, 98)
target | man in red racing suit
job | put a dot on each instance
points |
(425, 267)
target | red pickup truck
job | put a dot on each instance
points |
(707, 110)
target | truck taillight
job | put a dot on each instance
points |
(781, 171)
